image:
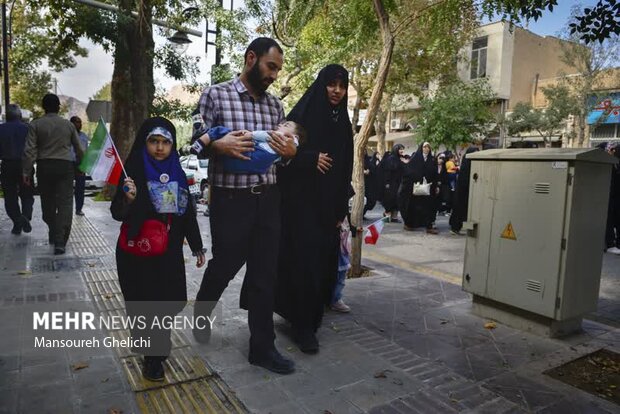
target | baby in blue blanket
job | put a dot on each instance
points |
(263, 155)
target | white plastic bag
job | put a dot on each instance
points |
(422, 189)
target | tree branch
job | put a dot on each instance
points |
(413, 16)
(277, 35)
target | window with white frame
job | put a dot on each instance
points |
(478, 67)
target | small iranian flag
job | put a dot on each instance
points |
(101, 160)
(373, 231)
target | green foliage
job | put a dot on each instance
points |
(36, 39)
(458, 113)
(545, 121)
(170, 108)
(103, 94)
(598, 23)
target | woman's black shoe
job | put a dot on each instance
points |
(306, 341)
(17, 229)
(153, 369)
(273, 361)
(26, 226)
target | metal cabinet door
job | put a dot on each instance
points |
(482, 195)
(524, 267)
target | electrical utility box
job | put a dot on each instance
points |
(535, 235)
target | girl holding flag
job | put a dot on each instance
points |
(152, 202)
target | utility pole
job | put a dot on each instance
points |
(5, 57)
(217, 32)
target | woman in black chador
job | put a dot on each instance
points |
(419, 210)
(461, 199)
(154, 285)
(392, 170)
(315, 191)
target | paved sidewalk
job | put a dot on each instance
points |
(409, 346)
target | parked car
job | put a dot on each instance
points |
(198, 168)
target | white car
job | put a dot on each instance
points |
(198, 168)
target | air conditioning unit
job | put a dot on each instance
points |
(395, 124)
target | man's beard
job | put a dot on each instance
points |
(256, 79)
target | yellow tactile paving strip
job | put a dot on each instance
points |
(190, 385)
(178, 341)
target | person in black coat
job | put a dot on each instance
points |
(419, 210)
(461, 199)
(155, 286)
(371, 185)
(442, 199)
(612, 234)
(392, 171)
(315, 189)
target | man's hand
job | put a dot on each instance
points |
(324, 163)
(234, 144)
(283, 145)
(26, 180)
(200, 259)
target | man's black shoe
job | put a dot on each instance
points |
(17, 229)
(26, 225)
(153, 369)
(306, 341)
(59, 250)
(274, 362)
(202, 336)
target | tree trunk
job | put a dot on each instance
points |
(581, 129)
(361, 139)
(132, 78)
(380, 130)
(356, 112)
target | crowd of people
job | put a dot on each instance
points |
(420, 186)
(56, 145)
(280, 187)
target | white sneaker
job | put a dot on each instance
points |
(340, 306)
(613, 250)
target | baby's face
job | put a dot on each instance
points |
(287, 128)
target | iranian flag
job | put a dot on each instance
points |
(101, 160)
(373, 231)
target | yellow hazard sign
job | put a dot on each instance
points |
(509, 232)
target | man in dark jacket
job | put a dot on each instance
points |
(12, 142)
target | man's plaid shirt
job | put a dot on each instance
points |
(230, 104)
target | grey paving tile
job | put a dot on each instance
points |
(101, 376)
(46, 374)
(8, 401)
(107, 403)
(528, 394)
(286, 408)
(52, 398)
(246, 375)
(259, 397)
(333, 401)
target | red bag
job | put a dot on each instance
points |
(152, 240)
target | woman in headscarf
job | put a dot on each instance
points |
(419, 210)
(370, 181)
(154, 286)
(392, 169)
(461, 198)
(315, 189)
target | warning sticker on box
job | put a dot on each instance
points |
(509, 232)
(559, 165)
